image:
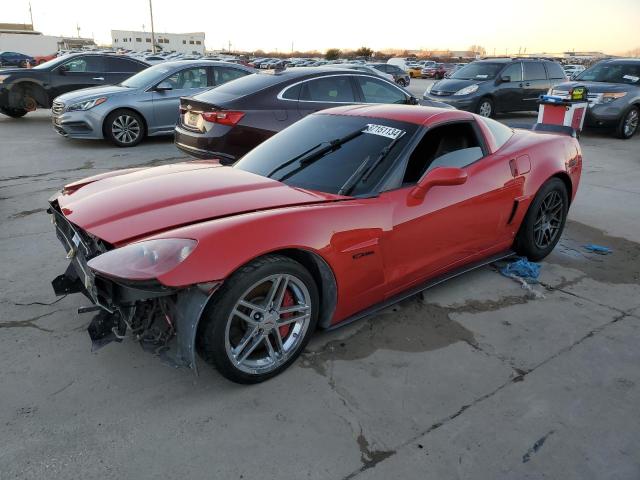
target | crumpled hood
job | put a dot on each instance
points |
(93, 92)
(128, 204)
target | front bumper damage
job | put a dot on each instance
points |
(163, 320)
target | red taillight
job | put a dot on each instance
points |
(225, 117)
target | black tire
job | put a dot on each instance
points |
(628, 125)
(13, 112)
(539, 217)
(124, 128)
(401, 82)
(212, 331)
(486, 107)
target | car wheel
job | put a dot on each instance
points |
(13, 112)
(628, 125)
(402, 82)
(544, 222)
(124, 128)
(485, 108)
(260, 320)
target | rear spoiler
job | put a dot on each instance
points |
(547, 128)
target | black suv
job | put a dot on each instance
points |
(24, 90)
(497, 85)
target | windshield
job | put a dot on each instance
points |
(478, 71)
(628, 73)
(147, 76)
(51, 63)
(332, 168)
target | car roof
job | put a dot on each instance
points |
(621, 60)
(204, 63)
(417, 115)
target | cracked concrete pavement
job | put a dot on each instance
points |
(476, 378)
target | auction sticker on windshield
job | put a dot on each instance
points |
(383, 131)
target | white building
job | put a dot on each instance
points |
(188, 43)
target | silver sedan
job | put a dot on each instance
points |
(145, 104)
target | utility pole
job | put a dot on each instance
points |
(78, 29)
(291, 46)
(31, 16)
(229, 46)
(153, 34)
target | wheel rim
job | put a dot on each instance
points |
(548, 220)
(485, 109)
(268, 324)
(126, 129)
(631, 123)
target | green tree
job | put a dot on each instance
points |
(332, 54)
(364, 52)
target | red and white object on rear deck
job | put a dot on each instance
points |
(564, 111)
(563, 114)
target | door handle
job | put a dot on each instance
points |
(527, 84)
(99, 78)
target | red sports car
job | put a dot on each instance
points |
(337, 216)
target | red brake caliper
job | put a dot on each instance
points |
(287, 301)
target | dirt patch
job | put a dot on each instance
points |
(621, 266)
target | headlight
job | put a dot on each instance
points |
(86, 105)
(467, 90)
(144, 260)
(3, 78)
(611, 96)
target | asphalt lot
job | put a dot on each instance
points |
(478, 379)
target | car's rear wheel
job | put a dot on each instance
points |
(628, 125)
(485, 108)
(260, 320)
(13, 112)
(544, 222)
(124, 128)
(402, 82)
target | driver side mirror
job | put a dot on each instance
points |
(439, 176)
(505, 79)
(163, 87)
(64, 69)
(413, 101)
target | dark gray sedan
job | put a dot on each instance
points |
(145, 104)
(614, 95)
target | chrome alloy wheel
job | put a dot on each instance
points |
(631, 123)
(268, 323)
(548, 220)
(485, 109)
(126, 129)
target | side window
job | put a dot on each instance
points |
(189, 78)
(377, 91)
(328, 89)
(555, 71)
(453, 145)
(500, 132)
(226, 74)
(514, 71)
(85, 64)
(120, 65)
(534, 71)
(292, 93)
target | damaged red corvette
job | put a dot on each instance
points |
(345, 212)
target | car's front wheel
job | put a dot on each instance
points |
(628, 125)
(260, 320)
(124, 128)
(485, 108)
(544, 222)
(402, 82)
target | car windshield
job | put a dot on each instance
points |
(51, 63)
(628, 73)
(147, 76)
(355, 160)
(478, 71)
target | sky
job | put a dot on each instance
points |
(500, 26)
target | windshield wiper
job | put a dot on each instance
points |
(363, 172)
(312, 155)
